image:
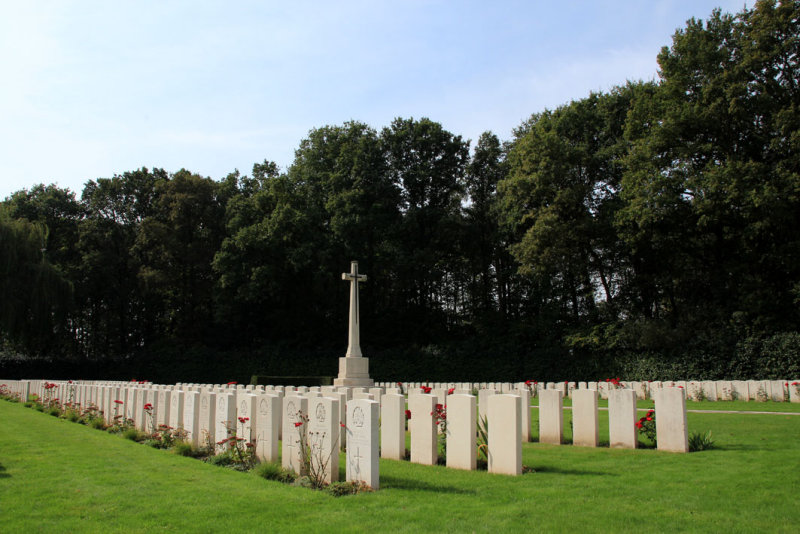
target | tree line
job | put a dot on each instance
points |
(649, 231)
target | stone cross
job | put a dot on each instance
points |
(353, 339)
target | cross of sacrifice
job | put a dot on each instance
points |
(353, 338)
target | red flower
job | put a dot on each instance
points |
(400, 384)
(148, 406)
(250, 445)
(425, 389)
(342, 425)
(528, 383)
(243, 419)
(118, 401)
(408, 414)
(450, 391)
(680, 387)
(223, 442)
(298, 424)
(231, 383)
(795, 383)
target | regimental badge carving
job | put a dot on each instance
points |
(321, 413)
(263, 407)
(243, 409)
(358, 417)
(204, 403)
(175, 401)
(291, 410)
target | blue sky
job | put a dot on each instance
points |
(92, 89)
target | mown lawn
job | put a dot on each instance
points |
(57, 476)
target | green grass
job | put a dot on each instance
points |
(57, 476)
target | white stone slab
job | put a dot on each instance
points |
(362, 443)
(551, 417)
(585, 423)
(295, 408)
(268, 422)
(393, 427)
(622, 419)
(505, 435)
(671, 428)
(423, 429)
(461, 432)
(323, 437)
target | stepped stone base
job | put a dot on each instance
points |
(354, 372)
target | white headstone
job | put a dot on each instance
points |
(622, 419)
(551, 417)
(393, 427)
(585, 423)
(323, 437)
(295, 410)
(461, 432)
(505, 435)
(268, 421)
(362, 442)
(671, 429)
(423, 429)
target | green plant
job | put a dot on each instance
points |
(340, 489)
(242, 453)
(701, 442)
(439, 414)
(315, 460)
(647, 426)
(97, 423)
(185, 448)
(133, 434)
(700, 394)
(761, 394)
(483, 439)
(274, 471)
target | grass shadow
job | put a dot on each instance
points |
(3, 473)
(560, 471)
(393, 482)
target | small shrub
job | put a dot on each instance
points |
(185, 448)
(222, 460)
(54, 411)
(701, 442)
(98, 423)
(132, 434)
(273, 471)
(340, 489)
(647, 427)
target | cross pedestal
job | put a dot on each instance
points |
(353, 368)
